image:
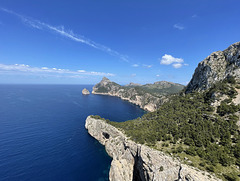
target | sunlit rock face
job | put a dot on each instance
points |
(216, 67)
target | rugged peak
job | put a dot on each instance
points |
(216, 67)
(105, 79)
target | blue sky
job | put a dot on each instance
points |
(79, 42)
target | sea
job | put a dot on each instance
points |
(42, 133)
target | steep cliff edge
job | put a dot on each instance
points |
(148, 97)
(138, 162)
(216, 67)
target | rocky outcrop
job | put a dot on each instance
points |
(149, 97)
(85, 92)
(216, 67)
(135, 162)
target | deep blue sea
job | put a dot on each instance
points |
(42, 133)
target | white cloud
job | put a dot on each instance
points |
(135, 65)
(179, 26)
(68, 34)
(133, 75)
(169, 59)
(177, 65)
(26, 69)
(158, 75)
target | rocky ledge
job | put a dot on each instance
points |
(135, 162)
(85, 91)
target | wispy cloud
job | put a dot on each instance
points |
(177, 65)
(26, 69)
(147, 66)
(170, 60)
(179, 26)
(135, 65)
(65, 33)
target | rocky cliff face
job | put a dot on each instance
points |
(216, 67)
(148, 97)
(137, 162)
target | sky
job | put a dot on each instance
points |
(141, 41)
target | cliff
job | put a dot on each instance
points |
(138, 162)
(149, 97)
(216, 67)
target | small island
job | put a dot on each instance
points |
(85, 91)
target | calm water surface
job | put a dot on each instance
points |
(42, 134)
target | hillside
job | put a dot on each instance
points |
(201, 125)
(149, 97)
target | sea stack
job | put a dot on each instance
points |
(85, 92)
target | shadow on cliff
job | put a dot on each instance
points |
(138, 170)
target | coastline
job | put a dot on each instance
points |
(149, 107)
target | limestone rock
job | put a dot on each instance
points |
(85, 92)
(132, 161)
(216, 67)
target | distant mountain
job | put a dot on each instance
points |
(163, 88)
(149, 96)
(131, 84)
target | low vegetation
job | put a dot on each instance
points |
(189, 127)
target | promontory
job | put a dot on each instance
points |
(149, 96)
